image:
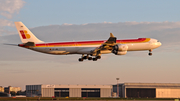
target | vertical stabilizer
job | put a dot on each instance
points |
(25, 34)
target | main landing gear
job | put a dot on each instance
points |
(150, 52)
(89, 58)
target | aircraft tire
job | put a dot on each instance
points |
(98, 57)
(80, 59)
(90, 58)
(150, 54)
(94, 59)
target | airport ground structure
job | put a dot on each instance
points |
(12, 89)
(125, 90)
(148, 90)
(8, 91)
(69, 90)
(1, 89)
(3, 94)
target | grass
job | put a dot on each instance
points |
(61, 98)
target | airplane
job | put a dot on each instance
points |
(90, 50)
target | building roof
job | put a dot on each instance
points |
(152, 85)
(76, 86)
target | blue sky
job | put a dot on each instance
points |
(93, 11)
(67, 20)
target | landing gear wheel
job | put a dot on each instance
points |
(94, 59)
(85, 57)
(98, 57)
(80, 59)
(150, 54)
(90, 58)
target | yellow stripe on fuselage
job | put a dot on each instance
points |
(94, 44)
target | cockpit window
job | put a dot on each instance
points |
(157, 40)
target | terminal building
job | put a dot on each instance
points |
(69, 90)
(148, 90)
(125, 90)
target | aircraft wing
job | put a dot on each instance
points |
(106, 45)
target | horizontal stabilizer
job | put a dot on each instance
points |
(11, 44)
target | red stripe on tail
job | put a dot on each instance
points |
(22, 34)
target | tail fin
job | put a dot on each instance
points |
(25, 34)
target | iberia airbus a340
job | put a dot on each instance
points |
(90, 50)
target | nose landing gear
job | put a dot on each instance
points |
(150, 52)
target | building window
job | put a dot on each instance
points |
(141, 92)
(61, 92)
(90, 92)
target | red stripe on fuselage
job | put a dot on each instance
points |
(89, 42)
(131, 40)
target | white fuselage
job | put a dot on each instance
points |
(78, 49)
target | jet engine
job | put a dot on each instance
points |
(120, 49)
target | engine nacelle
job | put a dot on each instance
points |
(119, 52)
(120, 47)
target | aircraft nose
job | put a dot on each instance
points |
(156, 44)
(159, 43)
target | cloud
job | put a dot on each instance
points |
(107, 22)
(4, 22)
(93, 31)
(66, 24)
(5, 27)
(9, 7)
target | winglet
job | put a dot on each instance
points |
(107, 45)
(111, 35)
(111, 39)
